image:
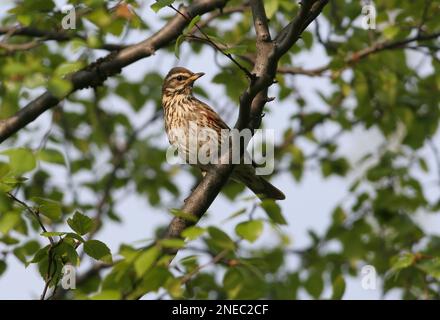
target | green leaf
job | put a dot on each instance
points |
(307, 38)
(29, 6)
(3, 267)
(243, 283)
(193, 232)
(15, 68)
(40, 255)
(68, 67)
(107, 295)
(273, 211)
(8, 240)
(314, 284)
(94, 41)
(174, 287)
(339, 166)
(179, 41)
(5, 169)
(159, 4)
(250, 230)
(221, 239)
(183, 215)
(338, 288)
(232, 281)
(69, 253)
(233, 84)
(56, 267)
(390, 32)
(98, 250)
(236, 214)
(156, 278)
(146, 260)
(239, 50)
(339, 215)
(431, 267)
(48, 207)
(51, 156)
(8, 221)
(271, 7)
(28, 249)
(423, 165)
(80, 223)
(21, 160)
(74, 236)
(53, 234)
(193, 22)
(402, 261)
(100, 17)
(172, 243)
(59, 87)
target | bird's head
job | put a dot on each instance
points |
(179, 81)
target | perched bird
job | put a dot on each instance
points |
(183, 112)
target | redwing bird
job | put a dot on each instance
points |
(183, 112)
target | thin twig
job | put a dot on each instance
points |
(33, 212)
(14, 47)
(424, 17)
(50, 275)
(196, 270)
(228, 55)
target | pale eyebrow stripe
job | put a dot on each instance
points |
(186, 75)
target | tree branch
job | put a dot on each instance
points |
(214, 15)
(290, 33)
(96, 73)
(264, 46)
(46, 35)
(361, 54)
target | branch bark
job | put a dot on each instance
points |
(96, 73)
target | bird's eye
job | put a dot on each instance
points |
(179, 78)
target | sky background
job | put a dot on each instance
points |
(308, 205)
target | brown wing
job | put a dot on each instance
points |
(211, 116)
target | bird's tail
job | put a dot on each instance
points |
(260, 186)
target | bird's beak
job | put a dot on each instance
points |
(194, 77)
